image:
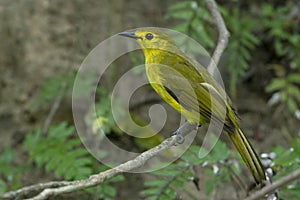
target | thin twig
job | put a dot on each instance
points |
(25, 191)
(47, 189)
(277, 184)
(236, 178)
(223, 36)
(55, 105)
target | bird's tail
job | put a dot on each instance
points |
(248, 154)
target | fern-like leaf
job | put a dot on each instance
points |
(59, 153)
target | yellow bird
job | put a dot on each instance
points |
(191, 90)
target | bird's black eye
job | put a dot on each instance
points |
(149, 36)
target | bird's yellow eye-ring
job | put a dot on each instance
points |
(149, 36)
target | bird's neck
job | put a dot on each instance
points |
(156, 56)
(152, 55)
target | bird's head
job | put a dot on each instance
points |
(151, 38)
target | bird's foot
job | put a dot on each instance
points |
(179, 136)
(177, 132)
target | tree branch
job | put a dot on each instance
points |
(25, 191)
(223, 36)
(277, 184)
(47, 189)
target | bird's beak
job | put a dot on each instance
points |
(129, 34)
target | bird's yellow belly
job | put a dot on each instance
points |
(192, 116)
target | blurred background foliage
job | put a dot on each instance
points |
(41, 43)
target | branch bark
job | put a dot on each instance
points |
(26, 191)
(275, 185)
(223, 36)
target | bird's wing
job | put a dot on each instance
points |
(195, 93)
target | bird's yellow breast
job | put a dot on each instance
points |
(155, 78)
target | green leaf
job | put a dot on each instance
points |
(252, 39)
(150, 191)
(292, 105)
(283, 96)
(182, 14)
(70, 174)
(294, 91)
(51, 88)
(157, 182)
(83, 172)
(170, 192)
(245, 53)
(3, 187)
(219, 152)
(55, 161)
(296, 148)
(166, 172)
(195, 149)
(60, 154)
(290, 192)
(179, 6)
(235, 169)
(7, 156)
(210, 186)
(276, 84)
(191, 158)
(181, 27)
(109, 191)
(187, 175)
(151, 198)
(115, 179)
(294, 78)
(10, 173)
(178, 183)
(284, 158)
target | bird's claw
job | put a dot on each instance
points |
(180, 138)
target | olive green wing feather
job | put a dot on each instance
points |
(194, 94)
